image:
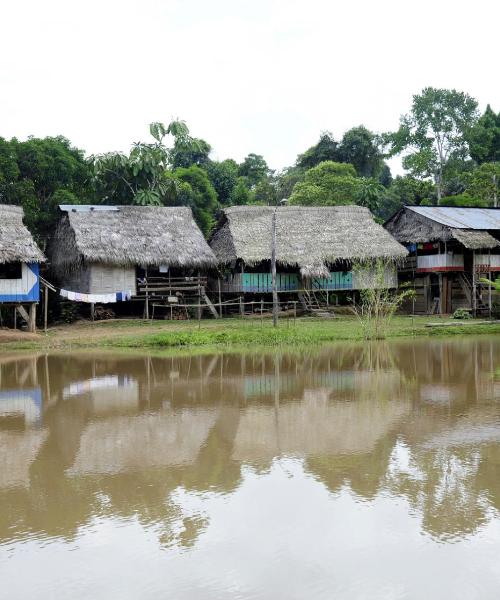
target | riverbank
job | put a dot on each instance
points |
(128, 333)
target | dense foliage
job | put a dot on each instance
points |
(451, 155)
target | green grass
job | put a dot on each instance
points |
(238, 333)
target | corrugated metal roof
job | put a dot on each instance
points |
(461, 218)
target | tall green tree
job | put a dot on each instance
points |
(189, 151)
(223, 176)
(327, 149)
(484, 137)
(327, 184)
(241, 193)
(434, 132)
(142, 176)
(196, 191)
(484, 183)
(254, 168)
(360, 147)
(41, 173)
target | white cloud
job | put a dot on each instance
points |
(263, 76)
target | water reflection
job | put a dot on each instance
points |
(157, 440)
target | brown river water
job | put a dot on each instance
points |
(344, 472)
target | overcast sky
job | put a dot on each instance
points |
(263, 76)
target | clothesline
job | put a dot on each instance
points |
(122, 296)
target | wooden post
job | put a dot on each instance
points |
(147, 296)
(32, 318)
(92, 311)
(242, 307)
(440, 276)
(273, 269)
(474, 301)
(489, 285)
(15, 317)
(199, 312)
(261, 312)
(295, 312)
(220, 297)
(46, 307)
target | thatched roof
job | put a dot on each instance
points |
(419, 224)
(307, 237)
(129, 235)
(475, 239)
(16, 242)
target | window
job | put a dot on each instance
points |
(11, 271)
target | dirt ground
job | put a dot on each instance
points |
(15, 335)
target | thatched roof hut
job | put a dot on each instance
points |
(129, 235)
(16, 242)
(470, 226)
(307, 237)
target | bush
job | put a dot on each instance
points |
(461, 313)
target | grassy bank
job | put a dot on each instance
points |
(232, 333)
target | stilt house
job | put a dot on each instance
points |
(451, 250)
(101, 250)
(316, 249)
(20, 260)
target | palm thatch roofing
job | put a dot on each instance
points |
(475, 239)
(308, 237)
(419, 224)
(16, 242)
(129, 235)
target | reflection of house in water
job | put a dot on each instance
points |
(107, 393)
(133, 431)
(26, 403)
(17, 452)
(142, 442)
(315, 426)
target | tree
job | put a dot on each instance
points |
(464, 199)
(265, 192)
(241, 194)
(223, 176)
(327, 184)
(360, 147)
(254, 168)
(189, 151)
(484, 183)
(369, 192)
(198, 193)
(434, 132)
(41, 173)
(141, 177)
(484, 137)
(325, 150)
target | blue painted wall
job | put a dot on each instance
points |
(23, 290)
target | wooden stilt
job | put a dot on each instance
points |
(45, 307)
(32, 318)
(474, 287)
(220, 297)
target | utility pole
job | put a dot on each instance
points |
(273, 263)
(273, 270)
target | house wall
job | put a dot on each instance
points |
(25, 289)
(101, 279)
(105, 279)
(369, 278)
(356, 279)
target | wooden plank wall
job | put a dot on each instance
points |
(106, 279)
